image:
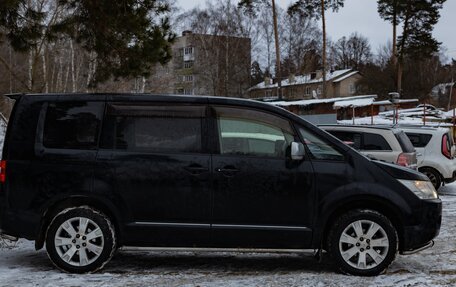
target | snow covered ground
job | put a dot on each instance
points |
(21, 265)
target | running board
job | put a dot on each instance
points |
(239, 250)
(429, 245)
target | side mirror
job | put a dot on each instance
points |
(297, 151)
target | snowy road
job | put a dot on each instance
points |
(22, 266)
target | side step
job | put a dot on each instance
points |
(238, 250)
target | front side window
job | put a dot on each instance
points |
(72, 125)
(156, 129)
(252, 133)
(319, 148)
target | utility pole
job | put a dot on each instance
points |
(276, 38)
(451, 91)
(324, 47)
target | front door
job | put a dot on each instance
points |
(261, 198)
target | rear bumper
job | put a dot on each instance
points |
(420, 235)
(19, 224)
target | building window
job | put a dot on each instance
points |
(308, 91)
(187, 78)
(188, 91)
(352, 88)
(188, 64)
(188, 50)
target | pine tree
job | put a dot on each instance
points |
(418, 18)
(125, 37)
(317, 8)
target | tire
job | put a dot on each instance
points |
(80, 251)
(350, 243)
(434, 177)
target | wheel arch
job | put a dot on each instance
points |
(432, 168)
(101, 205)
(372, 203)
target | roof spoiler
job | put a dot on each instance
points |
(15, 96)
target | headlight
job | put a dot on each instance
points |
(422, 189)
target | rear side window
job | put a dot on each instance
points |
(405, 142)
(72, 125)
(375, 142)
(419, 140)
(157, 129)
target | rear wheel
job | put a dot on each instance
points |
(433, 176)
(363, 242)
(80, 240)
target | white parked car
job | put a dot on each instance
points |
(435, 153)
(382, 143)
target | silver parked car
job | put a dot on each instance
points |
(377, 142)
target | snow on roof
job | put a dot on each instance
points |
(345, 77)
(354, 103)
(441, 88)
(304, 79)
(320, 101)
(379, 120)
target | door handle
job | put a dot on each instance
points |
(227, 170)
(196, 169)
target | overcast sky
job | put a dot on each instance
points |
(361, 16)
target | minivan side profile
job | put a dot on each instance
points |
(86, 174)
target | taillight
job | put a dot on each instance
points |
(446, 148)
(2, 171)
(403, 160)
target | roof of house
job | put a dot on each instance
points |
(354, 103)
(322, 101)
(338, 75)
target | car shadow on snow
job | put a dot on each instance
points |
(226, 263)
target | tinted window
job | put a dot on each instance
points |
(72, 125)
(404, 141)
(375, 142)
(156, 129)
(349, 138)
(319, 148)
(253, 133)
(419, 140)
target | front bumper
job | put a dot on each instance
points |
(420, 235)
(451, 179)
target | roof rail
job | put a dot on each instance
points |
(14, 96)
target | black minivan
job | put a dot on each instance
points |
(86, 174)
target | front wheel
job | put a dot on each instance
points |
(80, 240)
(363, 242)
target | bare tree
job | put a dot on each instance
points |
(352, 52)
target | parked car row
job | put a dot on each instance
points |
(427, 149)
(85, 175)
